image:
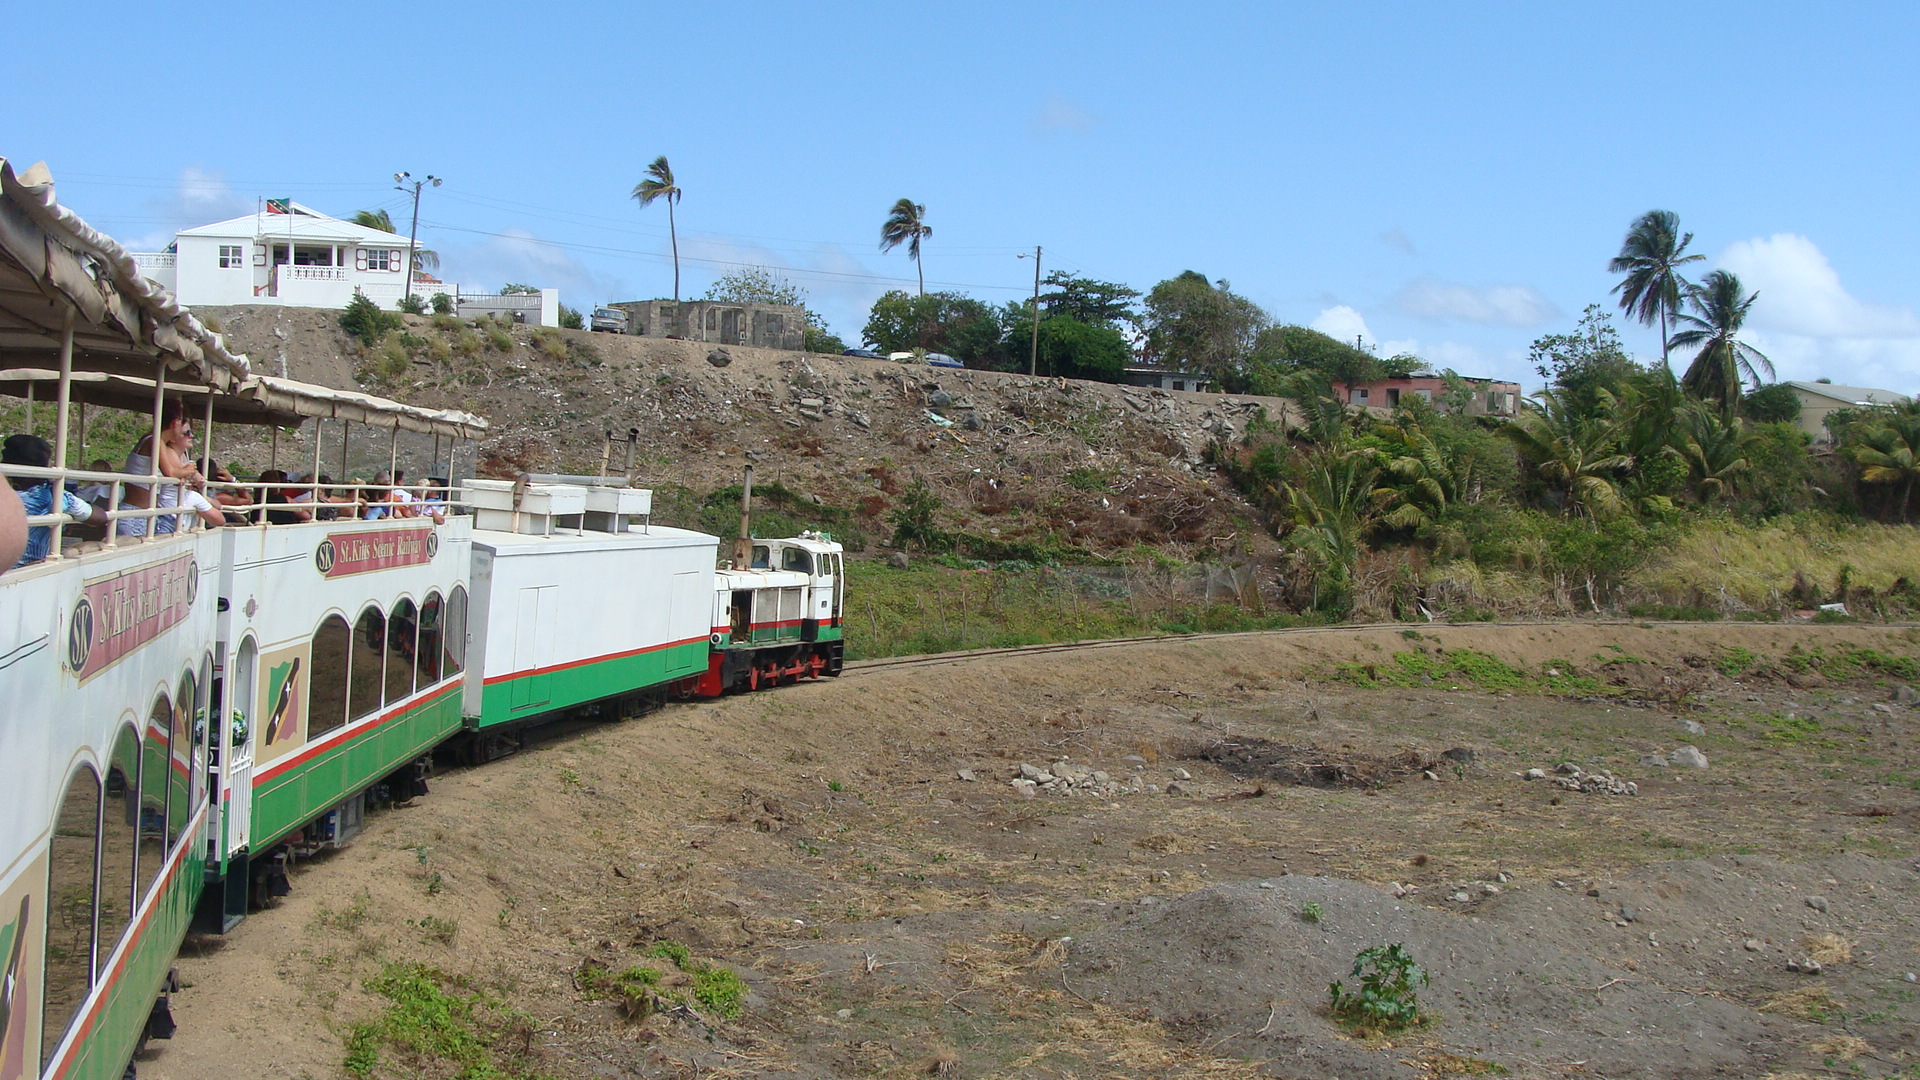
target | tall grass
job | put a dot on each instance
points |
(1756, 566)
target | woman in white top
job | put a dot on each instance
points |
(176, 439)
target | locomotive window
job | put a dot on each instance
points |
(117, 840)
(69, 908)
(154, 759)
(789, 605)
(796, 559)
(403, 632)
(428, 651)
(365, 671)
(180, 743)
(326, 688)
(760, 557)
(454, 640)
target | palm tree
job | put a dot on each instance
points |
(1724, 362)
(1332, 509)
(424, 259)
(1577, 457)
(1417, 484)
(659, 185)
(906, 224)
(1650, 258)
(1888, 452)
(1714, 449)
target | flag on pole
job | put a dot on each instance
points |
(279, 206)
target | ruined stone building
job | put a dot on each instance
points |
(721, 322)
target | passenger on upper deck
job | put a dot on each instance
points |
(276, 496)
(431, 500)
(176, 438)
(37, 495)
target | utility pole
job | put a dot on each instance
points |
(401, 180)
(1033, 358)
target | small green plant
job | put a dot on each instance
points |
(1736, 662)
(1312, 912)
(671, 950)
(413, 305)
(569, 777)
(364, 320)
(1386, 998)
(434, 1025)
(498, 339)
(719, 990)
(835, 785)
(436, 929)
(435, 883)
(442, 305)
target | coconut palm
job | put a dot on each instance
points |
(659, 185)
(424, 259)
(1724, 362)
(1575, 456)
(1417, 484)
(907, 224)
(1332, 508)
(1714, 449)
(1650, 257)
(1888, 452)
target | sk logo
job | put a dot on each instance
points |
(80, 636)
(323, 557)
(433, 544)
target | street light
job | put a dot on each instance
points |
(1033, 358)
(401, 180)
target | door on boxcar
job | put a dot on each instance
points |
(533, 647)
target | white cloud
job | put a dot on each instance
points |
(1810, 326)
(1342, 323)
(199, 197)
(1800, 293)
(1060, 116)
(1500, 305)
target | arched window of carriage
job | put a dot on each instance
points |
(205, 728)
(366, 672)
(235, 727)
(326, 686)
(432, 623)
(403, 635)
(119, 835)
(155, 761)
(454, 641)
(72, 888)
(186, 715)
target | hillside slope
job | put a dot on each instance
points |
(1015, 462)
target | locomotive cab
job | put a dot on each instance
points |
(778, 618)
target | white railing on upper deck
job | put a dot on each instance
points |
(155, 260)
(313, 273)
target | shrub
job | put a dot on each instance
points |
(1386, 998)
(441, 303)
(570, 319)
(363, 319)
(413, 305)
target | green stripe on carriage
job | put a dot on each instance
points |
(109, 1044)
(292, 798)
(512, 700)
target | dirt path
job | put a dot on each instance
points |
(890, 918)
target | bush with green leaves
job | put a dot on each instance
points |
(413, 305)
(366, 321)
(441, 303)
(1386, 997)
(570, 319)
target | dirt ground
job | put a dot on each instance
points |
(890, 918)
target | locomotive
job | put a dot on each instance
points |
(186, 712)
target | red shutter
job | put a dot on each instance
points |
(359, 258)
(259, 254)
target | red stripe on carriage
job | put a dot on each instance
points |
(350, 732)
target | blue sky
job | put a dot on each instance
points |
(1443, 179)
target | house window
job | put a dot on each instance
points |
(1359, 397)
(1423, 395)
(381, 259)
(230, 257)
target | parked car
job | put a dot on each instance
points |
(940, 359)
(865, 354)
(609, 320)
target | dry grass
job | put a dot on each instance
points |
(1841, 1047)
(1808, 1003)
(1755, 565)
(1828, 949)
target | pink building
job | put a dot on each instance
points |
(1489, 398)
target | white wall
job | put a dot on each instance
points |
(200, 280)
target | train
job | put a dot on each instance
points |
(184, 713)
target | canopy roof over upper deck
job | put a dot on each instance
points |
(54, 267)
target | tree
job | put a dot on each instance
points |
(1774, 403)
(1650, 257)
(570, 319)
(1724, 363)
(938, 322)
(1418, 484)
(1201, 325)
(907, 224)
(659, 184)
(424, 260)
(1886, 447)
(1280, 350)
(1714, 450)
(1070, 348)
(517, 288)
(1578, 366)
(1332, 508)
(1095, 303)
(1573, 456)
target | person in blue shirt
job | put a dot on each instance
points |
(37, 495)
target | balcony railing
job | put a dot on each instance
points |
(312, 273)
(154, 260)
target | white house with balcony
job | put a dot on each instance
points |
(292, 255)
